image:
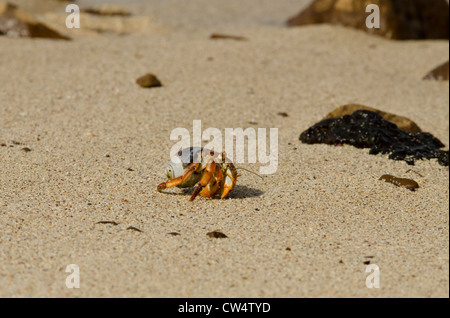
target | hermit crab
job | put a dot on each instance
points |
(210, 172)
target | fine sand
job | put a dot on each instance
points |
(99, 144)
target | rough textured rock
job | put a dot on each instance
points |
(440, 73)
(148, 80)
(366, 129)
(17, 23)
(399, 19)
(402, 123)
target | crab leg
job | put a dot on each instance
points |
(197, 190)
(205, 180)
(214, 185)
(230, 180)
(174, 182)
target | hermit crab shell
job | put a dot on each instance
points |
(178, 164)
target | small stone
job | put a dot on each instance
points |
(217, 36)
(108, 222)
(26, 149)
(283, 114)
(89, 134)
(400, 182)
(134, 229)
(216, 234)
(148, 80)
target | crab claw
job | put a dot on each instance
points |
(230, 181)
(161, 186)
(226, 190)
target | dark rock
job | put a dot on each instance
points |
(366, 129)
(217, 36)
(400, 182)
(440, 73)
(399, 19)
(443, 158)
(132, 228)
(148, 80)
(402, 123)
(216, 234)
(108, 222)
(17, 23)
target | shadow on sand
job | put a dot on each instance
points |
(239, 192)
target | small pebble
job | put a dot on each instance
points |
(216, 36)
(148, 80)
(107, 222)
(216, 234)
(134, 229)
(401, 182)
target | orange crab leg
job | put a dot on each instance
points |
(174, 182)
(205, 180)
(197, 190)
(228, 187)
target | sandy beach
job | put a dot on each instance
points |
(99, 144)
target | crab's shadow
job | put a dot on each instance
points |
(239, 192)
(242, 192)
